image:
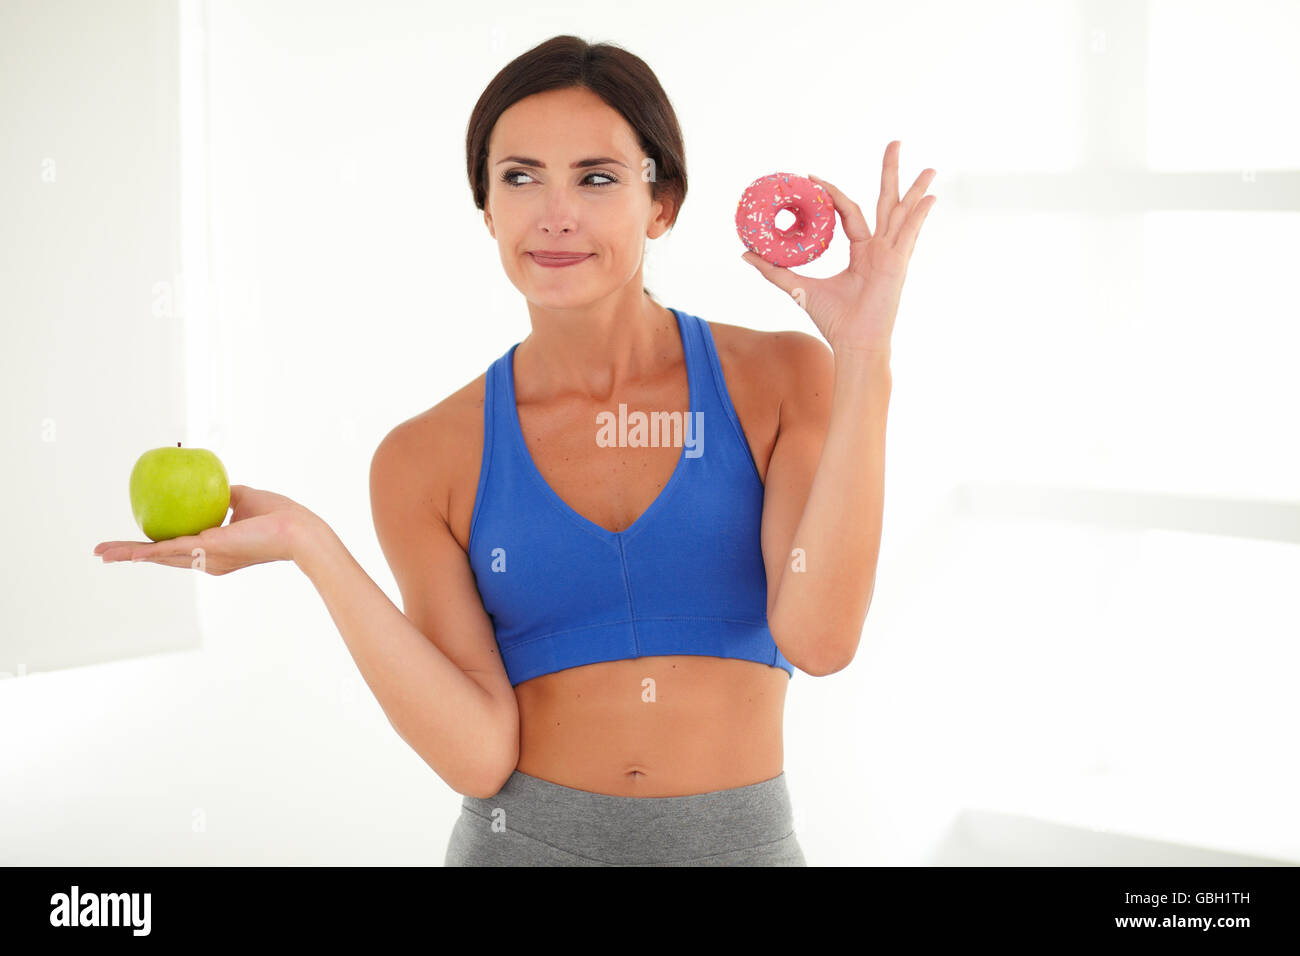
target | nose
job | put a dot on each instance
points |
(557, 216)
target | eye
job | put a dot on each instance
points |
(507, 178)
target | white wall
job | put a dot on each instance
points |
(355, 285)
(92, 370)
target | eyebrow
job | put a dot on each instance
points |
(580, 164)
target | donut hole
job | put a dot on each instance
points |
(784, 219)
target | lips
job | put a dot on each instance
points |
(559, 260)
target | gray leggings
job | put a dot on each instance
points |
(534, 822)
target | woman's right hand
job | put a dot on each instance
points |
(261, 529)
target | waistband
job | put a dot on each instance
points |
(611, 827)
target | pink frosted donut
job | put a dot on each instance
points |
(806, 239)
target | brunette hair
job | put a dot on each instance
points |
(621, 79)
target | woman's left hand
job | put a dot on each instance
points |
(855, 310)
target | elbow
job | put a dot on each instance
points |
(826, 665)
(487, 786)
(823, 655)
(835, 651)
(481, 793)
(827, 655)
(495, 772)
(482, 777)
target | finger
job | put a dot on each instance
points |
(794, 285)
(907, 235)
(909, 203)
(173, 560)
(888, 201)
(104, 546)
(782, 278)
(851, 218)
(120, 551)
(160, 551)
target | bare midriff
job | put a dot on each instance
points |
(654, 726)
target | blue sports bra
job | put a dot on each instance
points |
(686, 577)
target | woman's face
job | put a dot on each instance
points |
(539, 200)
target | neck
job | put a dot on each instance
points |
(593, 351)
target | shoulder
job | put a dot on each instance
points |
(422, 455)
(442, 425)
(801, 366)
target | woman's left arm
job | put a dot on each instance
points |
(824, 500)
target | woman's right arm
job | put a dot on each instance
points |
(435, 668)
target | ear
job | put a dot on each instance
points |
(662, 211)
(487, 220)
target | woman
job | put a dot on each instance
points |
(599, 626)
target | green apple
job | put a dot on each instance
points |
(178, 491)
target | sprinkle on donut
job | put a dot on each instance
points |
(802, 242)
